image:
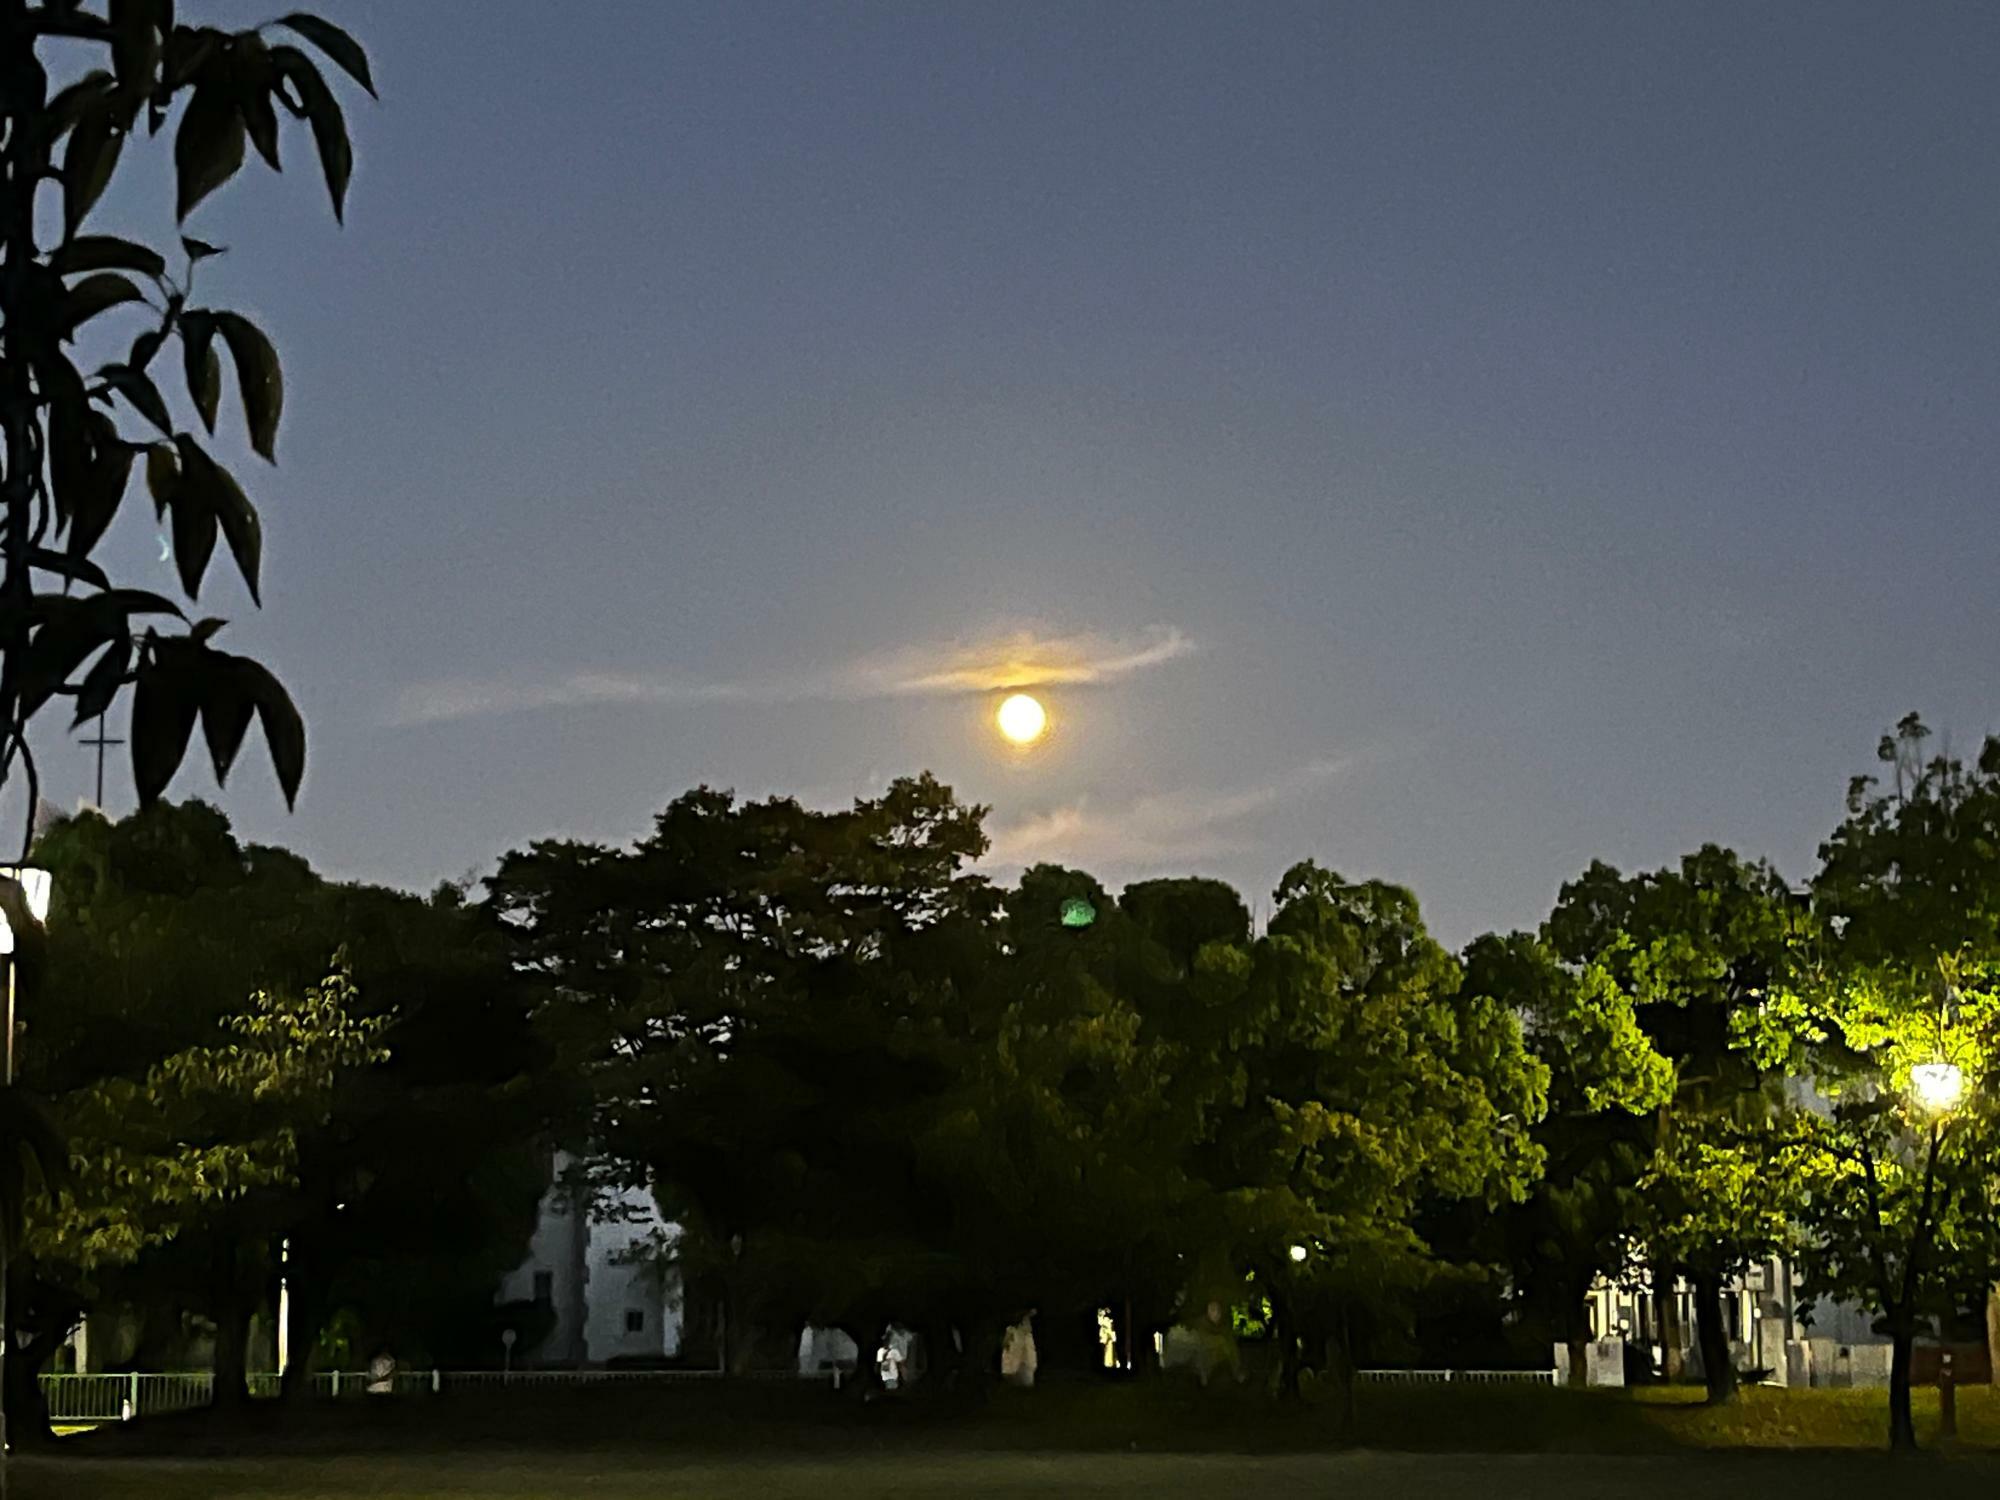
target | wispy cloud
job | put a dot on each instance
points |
(1016, 659)
(1155, 830)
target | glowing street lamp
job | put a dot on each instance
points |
(1937, 1086)
(1298, 1254)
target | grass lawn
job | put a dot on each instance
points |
(1436, 1443)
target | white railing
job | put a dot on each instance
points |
(1468, 1377)
(119, 1398)
(115, 1398)
(76, 1399)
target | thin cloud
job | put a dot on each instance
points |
(1019, 659)
(1162, 829)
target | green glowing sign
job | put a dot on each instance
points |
(1077, 912)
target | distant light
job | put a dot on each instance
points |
(1298, 1254)
(1938, 1085)
(1077, 912)
(1022, 719)
(36, 886)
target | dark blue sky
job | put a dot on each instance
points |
(1459, 440)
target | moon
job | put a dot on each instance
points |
(1022, 719)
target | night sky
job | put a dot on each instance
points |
(1453, 442)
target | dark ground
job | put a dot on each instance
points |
(775, 1441)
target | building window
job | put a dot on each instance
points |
(545, 1287)
(635, 1320)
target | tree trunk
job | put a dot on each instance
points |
(1718, 1365)
(27, 1410)
(1340, 1364)
(1285, 1326)
(1579, 1359)
(1673, 1337)
(867, 1380)
(1576, 1330)
(1902, 1425)
(1993, 1333)
(231, 1309)
(302, 1325)
(232, 1339)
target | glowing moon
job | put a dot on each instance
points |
(1022, 719)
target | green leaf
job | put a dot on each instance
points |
(76, 569)
(261, 120)
(139, 390)
(92, 295)
(136, 44)
(192, 512)
(106, 252)
(163, 474)
(102, 681)
(144, 347)
(88, 161)
(164, 705)
(188, 51)
(241, 528)
(208, 147)
(258, 377)
(329, 126)
(95, 503)
(226, 707)
(67, 106)
(200, 250)
(69, 638)
(72, 451)
(336, 44)
(284, 730)
(202, 365)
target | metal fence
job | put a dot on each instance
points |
(1467, 1377)
(79, 1399)
(75, 1399)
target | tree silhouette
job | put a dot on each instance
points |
(71, 435)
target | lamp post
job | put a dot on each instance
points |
(1937, 1088)
(35, 889)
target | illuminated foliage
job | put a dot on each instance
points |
(1897, 969)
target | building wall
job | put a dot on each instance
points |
(619, 1293)
(1838, 1347)
(596, 1291)
(553, 1273)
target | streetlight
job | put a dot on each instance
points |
(1937, 1086)
(1298, 1254)
(36, 886)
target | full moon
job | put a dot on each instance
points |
(1022, 719)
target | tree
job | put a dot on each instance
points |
(1605, 1079)
(184, 1160)
(1697, 947)
(1067, 1145)
(1898, 975)
(66, 428)
(163, 922)
(1372, 1083)
(762, 950)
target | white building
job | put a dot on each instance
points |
(1838, 1347)
(588, 1262)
